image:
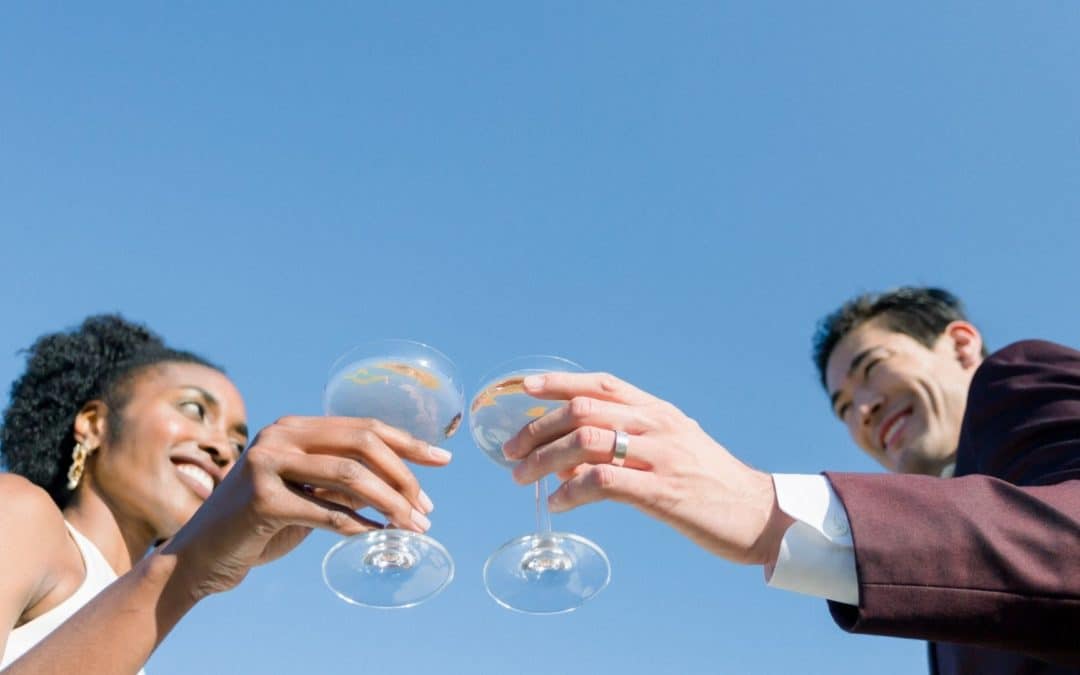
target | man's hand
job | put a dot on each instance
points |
(673, 470)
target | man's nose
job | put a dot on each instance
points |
(868, 406)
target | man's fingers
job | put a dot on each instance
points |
(602, 386)
(604, 481)
(579, 412)
(584, 445)
(567, 474)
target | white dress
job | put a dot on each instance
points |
(98, 575)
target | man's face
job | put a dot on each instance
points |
(902, 402)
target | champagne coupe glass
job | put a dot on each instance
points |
(544, 572)
(416, 388)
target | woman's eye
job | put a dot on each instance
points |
(193, 409)
(870, 366)
(843, 411)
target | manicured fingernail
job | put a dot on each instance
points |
(421, 520)
(534, 382)
(426, 502)
(555, 502)
(506, 450)
(438, 453)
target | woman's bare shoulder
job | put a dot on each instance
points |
(31, 528)
(25, 505)
(35, 544)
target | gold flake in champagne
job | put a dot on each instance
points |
(513, 385)
(422, 376)
(362, 376)
(536, 411)
(453, 426)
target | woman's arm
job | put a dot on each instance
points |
(299, 474)
(119, 629)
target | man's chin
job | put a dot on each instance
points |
(917, 463)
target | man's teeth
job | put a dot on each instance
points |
(198, 474)
(894, 430)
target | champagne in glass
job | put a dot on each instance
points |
(544, 572)
(416, 388)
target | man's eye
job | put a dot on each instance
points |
(870, 366)
(193, 409)
(843, 411)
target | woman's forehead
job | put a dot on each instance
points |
(175, 375)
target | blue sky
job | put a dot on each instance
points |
(674, 192)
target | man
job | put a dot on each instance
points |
(987, 566)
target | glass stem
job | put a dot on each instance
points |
(543, 518)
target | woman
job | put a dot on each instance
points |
(116, 442)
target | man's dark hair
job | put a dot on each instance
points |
(920, 312)
(64, 371)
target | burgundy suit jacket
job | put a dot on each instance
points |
(985, 565)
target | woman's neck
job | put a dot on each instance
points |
(123, 541)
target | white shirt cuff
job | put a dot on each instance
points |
(816, 554)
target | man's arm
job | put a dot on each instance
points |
(989, 560)
(678, 474)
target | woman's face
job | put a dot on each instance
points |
(182, 428)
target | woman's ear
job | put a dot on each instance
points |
(90, 424)
(967, 343)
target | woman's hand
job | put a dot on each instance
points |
(673, 470)
(302, 473)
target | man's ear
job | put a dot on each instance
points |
(90, 424)
(967, 343)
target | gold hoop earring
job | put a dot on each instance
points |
(78, 465)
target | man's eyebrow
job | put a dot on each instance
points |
(859, 358)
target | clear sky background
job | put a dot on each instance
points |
(674, 192)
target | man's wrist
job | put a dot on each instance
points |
(767, 547)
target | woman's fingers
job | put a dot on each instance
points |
(338, 438)
(584, 445)
(336, 432)
(347, 476)
(313, 509)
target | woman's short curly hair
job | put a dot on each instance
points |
(64, 372)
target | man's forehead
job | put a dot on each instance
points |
(861, 339)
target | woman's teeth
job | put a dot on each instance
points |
(198, 474)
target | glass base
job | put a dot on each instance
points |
(546, 573)
(387, 569)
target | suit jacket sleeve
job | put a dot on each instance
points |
(991, 558)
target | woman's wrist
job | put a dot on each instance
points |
(164, 574)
